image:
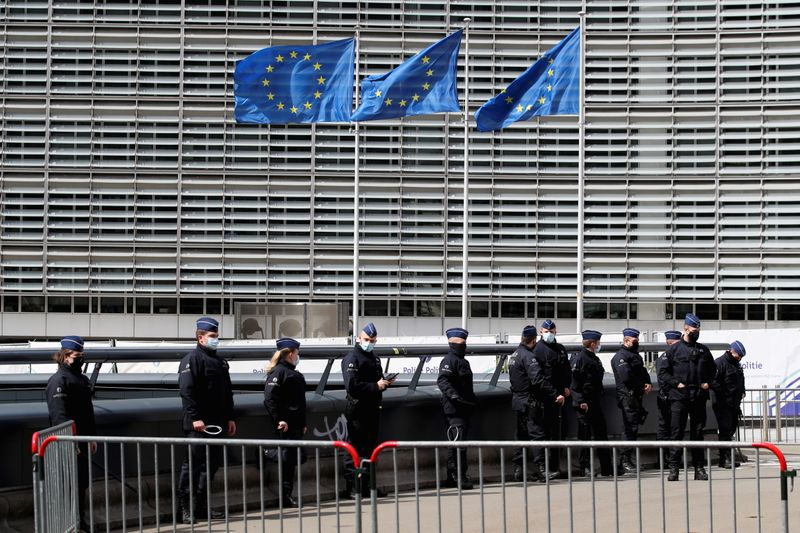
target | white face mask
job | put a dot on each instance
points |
(549, 337)
(367, 346)
(597, 350)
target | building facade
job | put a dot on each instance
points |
(132, 202)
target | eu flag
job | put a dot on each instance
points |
(551, 86)
(424, 84)
(290, 84)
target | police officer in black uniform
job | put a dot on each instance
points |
(207, 397)
(662, 400)
(554, 362)
(69, 397)
(633, 382)
(365, 383)
(587, 394)
(285, 401)
(523, 372)
(728, 387)
(688, 369)
(458, 402)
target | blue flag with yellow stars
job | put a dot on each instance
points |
(551, 86)
(290, 84)
(424, 84)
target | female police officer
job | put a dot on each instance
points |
(69, 397)
(285, 400)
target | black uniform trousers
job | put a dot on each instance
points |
(695, 411)
(664, 417)
(727, 423)
(539, 422)
(83, 480)
(633, 415)
(592, 426)
(457, 430)
(201, 474)
(363, 424)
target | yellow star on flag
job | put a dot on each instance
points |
(270, 68)
(321, 80)
(403, 103)
(293, 54)
(307, 105)
(503, 91)
(426, 59)
(549, 87)
(265, 83)
(293, 109)
(426, 86)
(317, 94)
(317, 66)
(378, 92)
(280, 105)
(388, 101)
(519, 108)
(270, 96)
(541, 100)
(529, 107)
(429, 72)
(550, 72)
(415, 97)
(509, 99)
(551, 61)
(307, 56)
(279, 59)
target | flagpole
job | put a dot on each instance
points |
(356, 193)
(465, 232)
(581, 157)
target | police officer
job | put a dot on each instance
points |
(285, 401)
(523, 372)
(633, 382)
(587, 394)
(728, 387)
(207, 397)
(365, 383)
(556, 375)
(687, 368)
(69, 397)
(662, 400)
(458, 402)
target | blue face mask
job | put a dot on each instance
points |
(212, 343)
(367, 346)
(549, 337)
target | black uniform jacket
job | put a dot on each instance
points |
(529, 380)
(554, 361)
(587, 378)
(285, 396)
(361, 372)
(728, 386)
(455, 382)
(629, 372)
(206, 390)
(690, 364)
(69, 397)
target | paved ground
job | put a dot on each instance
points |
(616, 508)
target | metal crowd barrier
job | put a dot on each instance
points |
(155, 498)
(55, 474)
(247, 488)
(642, 501)
(771, 414)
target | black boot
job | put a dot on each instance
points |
(532, 476)
(452, 481)
(184, 509)
(202, 512)
(674, 472)
(627, 467)
(288, 500)
(700, 473)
